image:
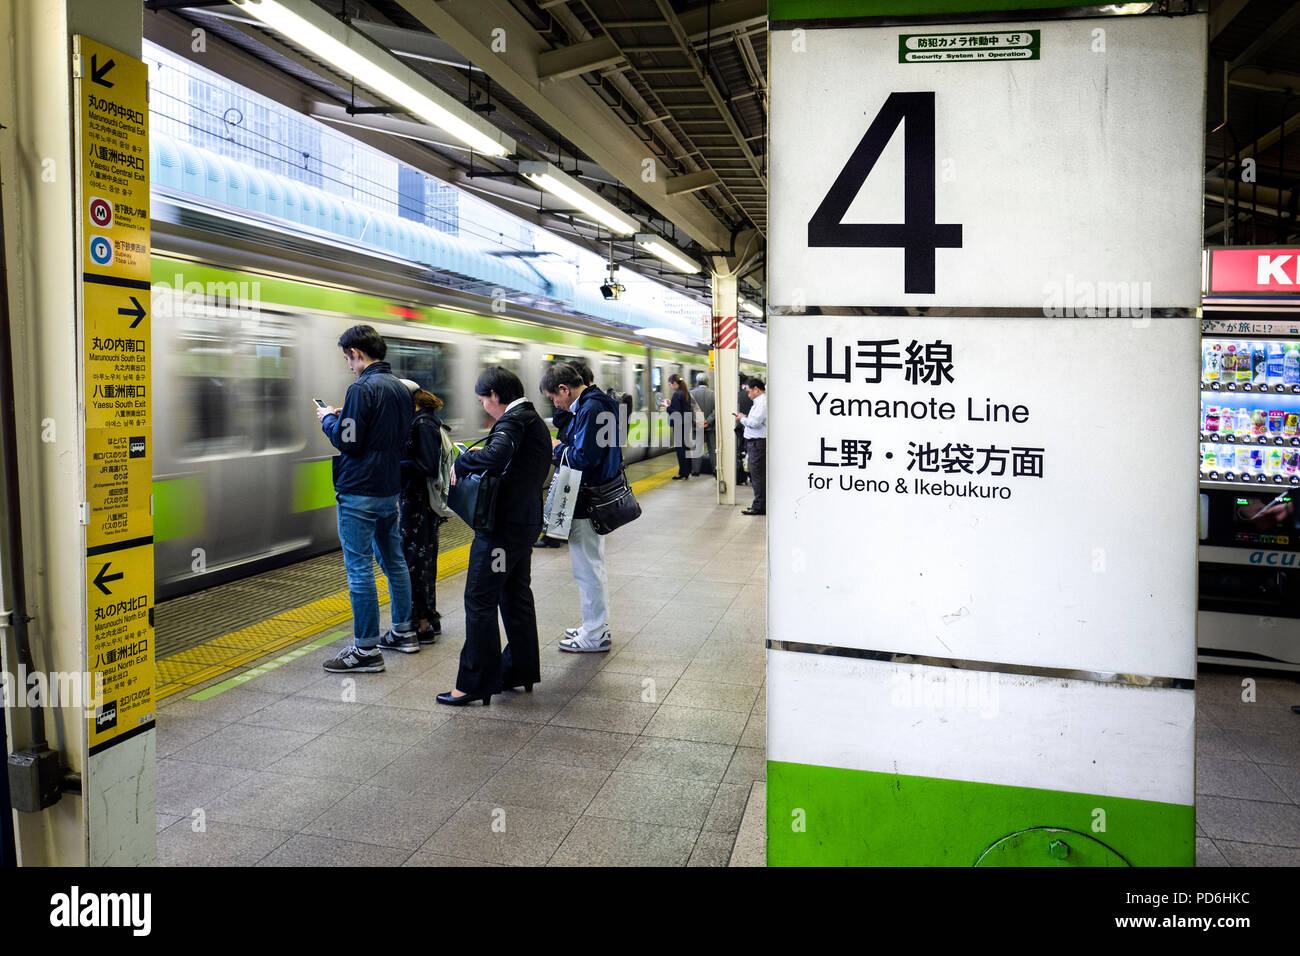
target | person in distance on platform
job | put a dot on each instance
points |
(421, 461)
(681, 417)
(706, 451)
(500, 560)
(592, 448)
(743, 403)
(755, 425)
(370, 432)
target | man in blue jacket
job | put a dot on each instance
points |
(370, 431)
(591, 446)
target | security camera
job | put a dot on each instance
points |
(612, 290)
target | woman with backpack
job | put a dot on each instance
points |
(421, 485)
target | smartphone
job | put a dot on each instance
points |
(319, 403)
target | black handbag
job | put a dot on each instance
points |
(612, 504)
(474, 499)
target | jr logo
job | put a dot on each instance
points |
(101, 250)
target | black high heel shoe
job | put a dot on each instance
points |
(452, 701)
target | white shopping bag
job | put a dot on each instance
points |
(561, 500)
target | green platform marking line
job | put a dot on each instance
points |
(864, 818)
(259, 670)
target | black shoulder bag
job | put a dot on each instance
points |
(612, 504)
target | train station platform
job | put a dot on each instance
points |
(651, 755)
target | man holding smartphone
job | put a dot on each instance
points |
(370, 432)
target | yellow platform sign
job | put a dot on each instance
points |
(116, 350)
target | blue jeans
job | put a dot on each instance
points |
(370, 525)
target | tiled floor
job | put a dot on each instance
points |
(645, 756)
(649, 755)
(1247, 769)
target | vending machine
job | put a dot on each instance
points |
(1249, 596)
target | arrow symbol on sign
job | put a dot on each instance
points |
(96, 74)
(138, 312)
(102, 577)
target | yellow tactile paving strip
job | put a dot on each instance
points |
(188, 669)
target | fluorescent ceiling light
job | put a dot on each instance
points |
(751, 308)
(578, 196)
(310, 27)
(666, 251)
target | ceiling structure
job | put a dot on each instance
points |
(660, 107)
(1252, 115)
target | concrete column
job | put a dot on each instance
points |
(114, 823)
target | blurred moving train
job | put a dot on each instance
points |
(246, 316)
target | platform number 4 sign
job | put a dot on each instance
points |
(918, 235)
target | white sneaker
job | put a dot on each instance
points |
(572, 645)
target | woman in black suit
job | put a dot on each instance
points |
(499, 576)
(681, 415)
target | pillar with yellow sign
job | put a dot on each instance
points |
(74, 156)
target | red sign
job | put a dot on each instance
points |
(727, 336)
(1255, 270)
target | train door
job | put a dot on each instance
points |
(235, 417)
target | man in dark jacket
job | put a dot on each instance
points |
(591, 447)
(370, 432)
(500, 561)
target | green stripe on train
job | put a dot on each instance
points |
(778, 10)
(178, 508)
(313, 485)
(270, 291)
(824, 816)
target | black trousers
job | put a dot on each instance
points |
(683, 462)
(757, 448)
(740, 455)
(499, 576)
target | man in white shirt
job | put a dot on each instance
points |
(755, 425)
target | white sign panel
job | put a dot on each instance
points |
(1012, 491)
(1006, 167)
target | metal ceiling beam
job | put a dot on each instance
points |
(692, 182)
(570, 61)
(1225, 12)
(722, 18)
(569, 106)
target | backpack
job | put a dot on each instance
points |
(440, 484)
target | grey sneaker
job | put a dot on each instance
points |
(572, 633)
(572, 645)
(408, 643)
(356, 660)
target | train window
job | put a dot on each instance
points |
(544, 406)
(639, 386)
(236, 385)
(611, 373)
(507, 355)
(430, 365)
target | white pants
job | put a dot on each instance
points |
(587, 556)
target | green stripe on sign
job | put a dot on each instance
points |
(240, 679)
(854, 9)
(178, 508)
(824, 816)
(313, 485)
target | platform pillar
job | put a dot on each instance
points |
(74, 167)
